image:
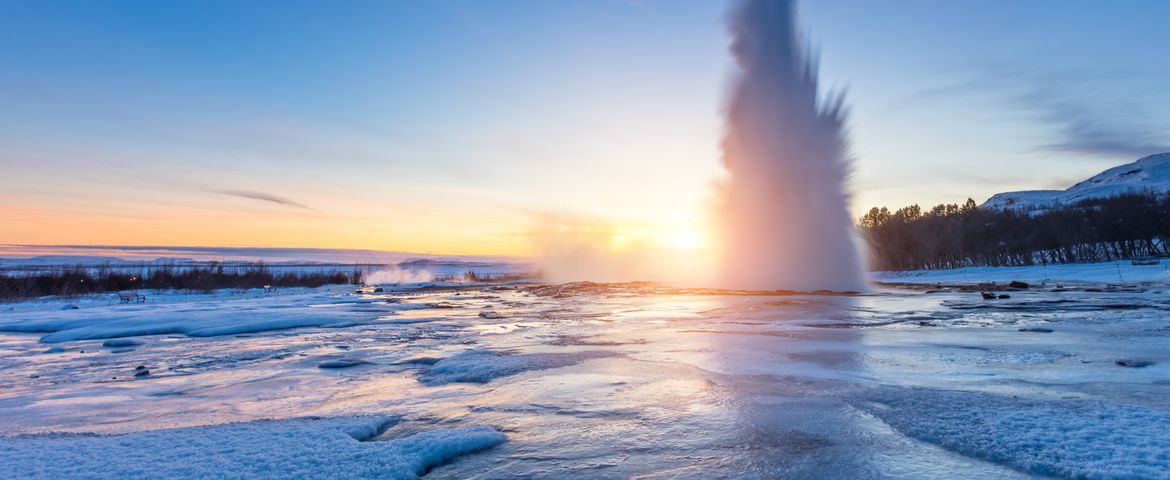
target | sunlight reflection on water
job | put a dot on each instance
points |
(613, 381)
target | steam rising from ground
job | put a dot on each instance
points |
(575, 249)
(785, 220)
(399, 275)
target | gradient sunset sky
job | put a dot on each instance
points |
(464, 127)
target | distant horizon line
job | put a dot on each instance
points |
(201, 252)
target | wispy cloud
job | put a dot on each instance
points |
(265, 197)
(1095, 130)
(1087, 112)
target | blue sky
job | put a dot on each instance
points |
(455, 126)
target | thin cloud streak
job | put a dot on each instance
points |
(265, 197)
(1084, 130)
(1081, 108)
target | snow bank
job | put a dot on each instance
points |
(1104, 272)
(480, 366)
(1064, 438)
(206, 318)
(292, 449)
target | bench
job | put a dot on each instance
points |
(133, 297)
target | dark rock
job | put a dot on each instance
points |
(140, 367)
(1037, 330)
(1134, 363)
(1004, 296)
(1018, 284)
(988, 295)
(142, 373)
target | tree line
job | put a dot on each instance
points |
(83, 280)
(952, 235)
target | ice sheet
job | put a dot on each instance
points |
(618, 381)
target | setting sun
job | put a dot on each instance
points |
(682, 239)
(567, 240)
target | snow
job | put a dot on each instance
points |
(617, 382)
(1098, 273)
(1087, 439)
(209, 316)
(478, 366)
(293, 449)
(1148, 174)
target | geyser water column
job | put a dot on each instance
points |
(785, 219)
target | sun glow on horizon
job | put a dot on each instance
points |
(683, 237)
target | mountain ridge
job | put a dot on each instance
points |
(1148, 174)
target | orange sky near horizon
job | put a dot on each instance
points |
(463, 127)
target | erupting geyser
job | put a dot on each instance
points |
(784, 206)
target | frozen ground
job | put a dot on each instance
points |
(1123, 272)
(590, 381)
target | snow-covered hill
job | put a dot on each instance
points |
(1149, 174)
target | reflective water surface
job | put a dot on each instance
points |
(620, 381)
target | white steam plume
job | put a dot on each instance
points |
(399, 275)
(786, 223)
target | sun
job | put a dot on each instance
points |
(681, 239)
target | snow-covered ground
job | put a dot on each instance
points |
(292, 449)
(1123, 272)
(588, 381)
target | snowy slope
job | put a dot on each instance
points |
(1149, 174)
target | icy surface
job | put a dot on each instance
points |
(293, 449)
(1078, 273)
(206, 317)
(482, 366)
(596, 381)
(1065, 439)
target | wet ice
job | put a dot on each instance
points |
(612, 381)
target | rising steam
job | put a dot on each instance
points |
(785, 221)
